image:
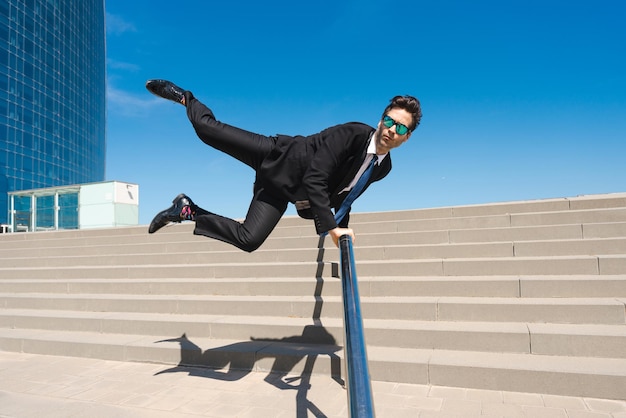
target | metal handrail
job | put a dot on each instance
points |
(358, 383)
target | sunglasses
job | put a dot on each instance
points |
(400, 128)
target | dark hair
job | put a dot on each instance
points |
(408, 103)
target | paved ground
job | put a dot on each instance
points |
(50, 386)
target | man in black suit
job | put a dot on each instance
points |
(316, 172)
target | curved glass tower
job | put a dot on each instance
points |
(52, 94)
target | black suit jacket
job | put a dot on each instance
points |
(312, 171)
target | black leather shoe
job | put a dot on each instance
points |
(181, 209)
(166, 89)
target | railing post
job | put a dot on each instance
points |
(358, 384)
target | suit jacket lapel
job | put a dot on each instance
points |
(354, 168)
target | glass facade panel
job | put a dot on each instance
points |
(45, 213)
(68, 211)
(22, 220)
(52, 95)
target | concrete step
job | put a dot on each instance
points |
(602, 223)
(591, 246)
(610, 200)
(502, 208)
(604, 341)
(570, 217)
(292, 286)
(578, 341)
(535, 286)
(468, 309)
(601, 201)
(581, 203)
(500, 266)
(578, 286)
(535, 233)
(564, 239)
(537, 310)
(557, 375)
(612, 215)
(217, 270)
(520, 372)
(604, 230)
(387, 252)
(502, 234)
(281, 356)
(573, 286)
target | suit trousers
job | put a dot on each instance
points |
(251, 149)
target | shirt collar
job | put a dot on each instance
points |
(371, 149)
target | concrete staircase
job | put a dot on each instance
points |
(519, 296)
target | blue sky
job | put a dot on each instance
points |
(520, 100)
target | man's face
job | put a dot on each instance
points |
(387, 138)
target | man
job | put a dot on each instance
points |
(316, 173)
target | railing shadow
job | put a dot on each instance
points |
(235, 361)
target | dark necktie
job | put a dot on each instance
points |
(355, 191)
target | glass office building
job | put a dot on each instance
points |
(52, 94)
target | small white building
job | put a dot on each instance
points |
(82, 206)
